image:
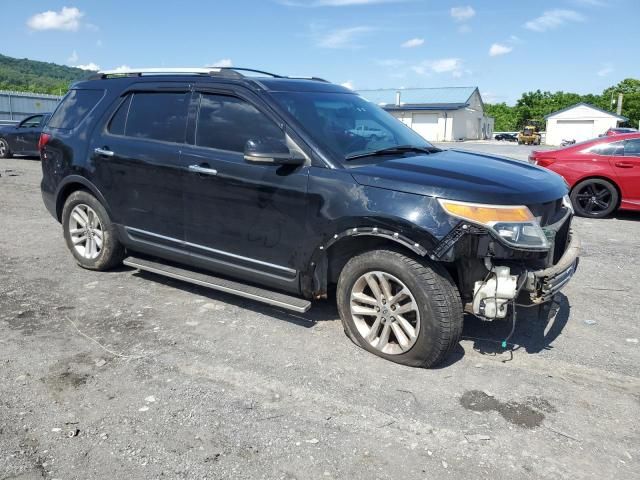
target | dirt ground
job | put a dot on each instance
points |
(129, 375)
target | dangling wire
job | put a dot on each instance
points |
(514, 314)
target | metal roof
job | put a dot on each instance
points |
(445, 98)
(584, 104)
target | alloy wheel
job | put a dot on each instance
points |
(85, 230)
(594, 198)
(4, 148)
(385, 312)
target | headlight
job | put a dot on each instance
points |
(514, 224)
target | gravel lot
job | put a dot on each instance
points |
(128, 375)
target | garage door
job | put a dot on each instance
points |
(426, 124)
(577, 130)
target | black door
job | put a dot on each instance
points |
(28, 134)
(137, 165)
(242, 219)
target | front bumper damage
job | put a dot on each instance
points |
(542, 285)
(523, 286)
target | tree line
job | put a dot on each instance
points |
(24, 75)
(533, 106)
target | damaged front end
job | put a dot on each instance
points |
(524, 256)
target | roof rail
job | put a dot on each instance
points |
(234, 72)
(251, 70)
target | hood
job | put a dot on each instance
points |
(465, 176)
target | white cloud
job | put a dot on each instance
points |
(462, 14)
(66, 19)
(551, 19)
(73, 58)
(605, 70)
(222, 63)
(348, 84)
(499, 49)
(333, 3)
(89, 66)
(122, 68)
(343, 37)
(412, 43)
(443, 65)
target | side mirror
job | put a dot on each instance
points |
(271, 150)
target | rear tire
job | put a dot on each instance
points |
(5, 151)
(594, 198)
(422, 326)
(89, 233)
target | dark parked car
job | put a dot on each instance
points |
(619, 131)
(22, 139)
(509, 137)
(603, 173)
(258, 186)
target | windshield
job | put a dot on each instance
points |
(346, 124)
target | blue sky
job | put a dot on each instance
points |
(505, 48)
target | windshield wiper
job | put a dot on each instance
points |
(392, 150)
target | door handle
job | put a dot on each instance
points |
(104, 152)
(624, 164)
(203, 170)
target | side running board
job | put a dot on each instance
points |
(223, 285)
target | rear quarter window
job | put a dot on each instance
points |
(74, 107)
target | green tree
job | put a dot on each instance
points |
(630, 88)
(504, 115)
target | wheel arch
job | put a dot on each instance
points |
(73, 183)
(599, 177)
(330, 257)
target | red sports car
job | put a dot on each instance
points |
(603, 173)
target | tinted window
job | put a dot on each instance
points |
(158, 116)
(632, 148)
(74, 107)
(32, 121)
(226, 123)
(119, 120)
(613, 148)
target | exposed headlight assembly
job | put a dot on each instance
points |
(514, 224)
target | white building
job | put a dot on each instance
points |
(579, 122)
(438, 114)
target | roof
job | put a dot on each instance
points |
(584, 104)
(444, 98)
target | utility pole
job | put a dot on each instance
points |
(619, 105)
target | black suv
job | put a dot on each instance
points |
(269, 187)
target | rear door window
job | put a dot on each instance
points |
(119, 120)
(156, 116)
(612, 148)
(632, 148)
(75, 106)
(226, 123)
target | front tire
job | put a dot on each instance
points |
(89, 233)
(399, 308)
(5, 151)
(594, 198)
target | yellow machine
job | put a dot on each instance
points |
(529, 135)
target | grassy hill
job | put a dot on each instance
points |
(26, 75)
